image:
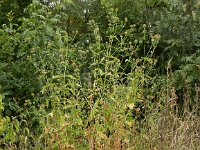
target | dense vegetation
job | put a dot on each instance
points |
(100, 74)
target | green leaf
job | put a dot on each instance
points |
(1, 103)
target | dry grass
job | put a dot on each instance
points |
(170, 130)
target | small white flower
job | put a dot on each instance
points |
(51, 115)
(87, 41)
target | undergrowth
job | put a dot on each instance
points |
(97, 94)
